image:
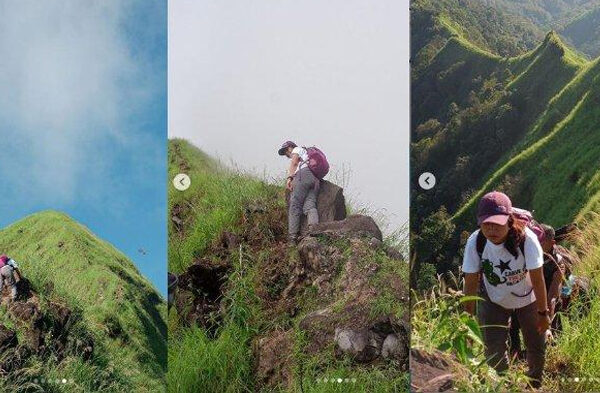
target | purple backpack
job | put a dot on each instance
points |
(317, 162)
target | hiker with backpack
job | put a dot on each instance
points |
(307, 167)
(9, 275)
(557, 261)
(506, 251)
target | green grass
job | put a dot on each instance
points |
(66, 263)
(559, 167)
(223, 364)
(213, 203)
(216, 203)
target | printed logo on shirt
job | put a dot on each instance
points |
(488, 270)
(510, 278)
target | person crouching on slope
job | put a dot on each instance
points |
(511, 264)
(8, 271)
(304, 187)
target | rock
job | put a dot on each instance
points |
(60, 317)
(394, 348)
(25, 311)
(362, 345)
(274, 359)
(8, 338)
(331, 204)
(375, 243)
(230, 240)
(314, 317)
(430, 372)
(394, 254)
(354, 226)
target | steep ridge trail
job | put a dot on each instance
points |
(334, 305)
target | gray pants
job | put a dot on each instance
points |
(495, 337)
(303, 201)
(7, 277)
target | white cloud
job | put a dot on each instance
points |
(69, 86)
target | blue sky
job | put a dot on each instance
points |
(83, 119)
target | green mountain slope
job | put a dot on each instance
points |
(575, 20)
(559, 171)
(481, 121)
(112, 307)
(472, 109)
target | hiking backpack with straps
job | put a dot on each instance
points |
(317, 162)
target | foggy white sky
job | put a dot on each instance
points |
(244, 76)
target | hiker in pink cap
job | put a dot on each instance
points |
(8, 269)
(307, 167)
(510, 259)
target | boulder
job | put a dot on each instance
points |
(431, 371)
(356, 225)
(362, 345)
(394, 348)
(331, 204)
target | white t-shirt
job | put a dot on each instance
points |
(506, 279)
(303, 157)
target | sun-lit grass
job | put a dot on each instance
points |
(67, 264)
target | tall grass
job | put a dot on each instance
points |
(67, 264)
(439, 322)
(223, 364)
(577, 350)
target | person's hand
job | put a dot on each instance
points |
(288, 184)
(543, 323)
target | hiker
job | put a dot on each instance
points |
(8, 270)
(511, 261)
(556, 262)
(303, 182)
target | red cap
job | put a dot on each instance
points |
(3, 259)
(284, 147)
(494, 207)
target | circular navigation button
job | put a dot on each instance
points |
(427, 180)
(182, 182)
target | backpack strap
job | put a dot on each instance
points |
(480, 243)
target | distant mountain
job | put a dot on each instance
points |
(584, 32)
(506, 27)
(87, 315)
(526, 124)
(577, 21)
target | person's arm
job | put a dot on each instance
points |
(295, 161)
(470, 288)
(539, 289)
(470, 267)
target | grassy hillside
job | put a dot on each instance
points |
(259, 325)
(575, 20)
(563, 145)
(111, 303)
(526, 125)
(473, 111)
(487, 27)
